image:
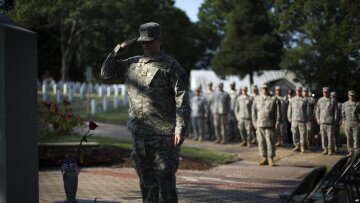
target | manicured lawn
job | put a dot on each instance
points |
(212, 157)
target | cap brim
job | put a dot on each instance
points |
(146, 39)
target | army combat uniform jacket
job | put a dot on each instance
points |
(158, 93)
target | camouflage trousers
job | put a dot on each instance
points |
(156, 162)
(210, 126)
(352, 135)
(281, 133)
(234, 133)
(327, 136)
(266, 141)
(310, 131)
(198, 126)
(220, 125)
(245, 130)
(299, 134)
(337, 136)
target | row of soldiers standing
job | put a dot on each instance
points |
(266, 117)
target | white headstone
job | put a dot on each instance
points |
(82, 92)
(100, 90)
(65, 88)
(54, 88)
(93, 106)
(71, 94)
(105, 103)
(116, 90)
(116, 102)
(108, 91)
(45, 92)
(58, 96)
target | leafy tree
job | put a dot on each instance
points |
(322, 41)
(249, 44)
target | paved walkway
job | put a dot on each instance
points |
(243, 181)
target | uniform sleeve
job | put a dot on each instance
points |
(254, 113)
(278, 111)
(289, 112)
(114, 67)
(180, 85)
(317, 112)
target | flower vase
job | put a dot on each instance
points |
(70, 173)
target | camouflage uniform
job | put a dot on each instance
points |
(220, 108)
(159, 109)
(326, 111)
(233, 130)
(198, 111)
(337, 122)
(242, 111)
(297, 116)
(281, 132)
(311, 124)
(351, 121)
(255, 95)
(265, 115)
(209, 116)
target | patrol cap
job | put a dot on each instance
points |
(298, 88)
(305, 89)
(149, 32)
(277, 87)
(198, 89)
(210, 84)
(244, 88)
(232, 84)
(254, 87)
(220, 84)
(352, 93)
(326, 89)
(333, 94)
(264, 86)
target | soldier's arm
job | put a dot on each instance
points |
(254, 113)
(289, 113)
(278, 113)
(317, 112)
(180, 85)
(114, 67)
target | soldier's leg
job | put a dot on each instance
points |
(349, 138)
(277, 136)
(242, 130)
(270, 142)
(355, 132)
(309, 134)
(166, 162)
(224, 126)
(195, 128)
(284, 132)
(201, 123)
(324, 139)
(217, 128)
(144, 168)
(262, 142)
(336, 137)
(211, 127)
(331, 139)
(303, 137)
(248, 126)
(295, 135)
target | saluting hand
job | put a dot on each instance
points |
(120, 48)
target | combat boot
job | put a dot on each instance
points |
(330, 152)
(243, 143)
(270, 161)
(350, 154)
(264, 161)
(223, 142)
(248, 144)
(296, 149)
(325, 152)
(302, 149)
(217, 141)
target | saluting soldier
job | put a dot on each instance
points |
(326, 111)
(159, 111)
(266, 117)
(220, 108)
(297, 116)
(351, 122)
(242, 111)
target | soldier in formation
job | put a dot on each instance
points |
(311, 123)
(209, 118)
(337, 121)
(198, 114)
(351, 122)
(242, 111)
(281, 132)
(266, 117)
(326, 112)
(220, 108)
(297, 116)
(233, 130)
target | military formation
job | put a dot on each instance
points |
(267, 119)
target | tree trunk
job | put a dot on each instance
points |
(251, 77)
(64, 68)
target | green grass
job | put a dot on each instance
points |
(118, 116)
(209, 156)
